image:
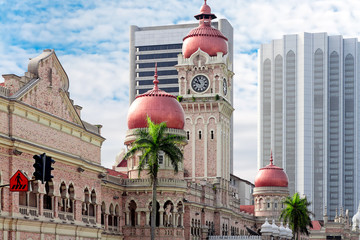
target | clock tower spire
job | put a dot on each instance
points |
(205, 82)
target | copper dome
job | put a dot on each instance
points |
(271, 176)
(159, 106)
(205, 37)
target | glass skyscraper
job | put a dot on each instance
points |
(309, 117)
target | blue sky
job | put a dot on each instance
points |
(91, 40)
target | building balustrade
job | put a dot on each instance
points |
(66, 216)
(28, 211)
(162, 182)
(48, 213)
(234, 237)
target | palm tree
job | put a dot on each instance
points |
(151, 141)
(297, 214)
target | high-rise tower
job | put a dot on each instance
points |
(309, 114)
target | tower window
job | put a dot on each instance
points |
(161, 159)
(199, 135)
(188, 135)
(212, 134)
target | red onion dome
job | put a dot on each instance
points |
(159, 106)
(271, 176)
(205, 37)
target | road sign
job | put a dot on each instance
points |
(19, 182)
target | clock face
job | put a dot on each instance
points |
(225, 87)
(200, 83)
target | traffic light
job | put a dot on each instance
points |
(39, 166)
(43, 167)
(48, 167)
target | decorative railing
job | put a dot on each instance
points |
(48, 213)
(23, 210)
(147, 182)
(65, 216)
(28, 211)
(234, 237)
(89, 220)
(160, 232)
(113, 228)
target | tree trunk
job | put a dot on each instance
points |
(154, 206)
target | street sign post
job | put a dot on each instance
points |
(19, 182)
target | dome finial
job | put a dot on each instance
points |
(156, 81)
(271, 158)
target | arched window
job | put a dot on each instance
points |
(33, 200)
(62, 200)
(198, 227)
(168, 214)
(199, 135)
(70, 201)
(132, 209)
(28, 201)
(161, 155)
(85, 207)
(111, 217)
(212, 134)
(192, 227)
(188, 135)
(157, 214)
(180, 212)
(116, 218)
(49, 193)
(103, 209)
(92, 204)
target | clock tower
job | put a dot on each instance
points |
(205, 83)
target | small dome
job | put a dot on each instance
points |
(205, 37)
(282, 231)
(356, 218)
(159, 106)
(271, 176)
(275, 228)
(266, 228)
(205, 9)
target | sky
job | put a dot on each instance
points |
(91, 40)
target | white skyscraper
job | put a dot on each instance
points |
(309, 117)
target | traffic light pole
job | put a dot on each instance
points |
(44, 166)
